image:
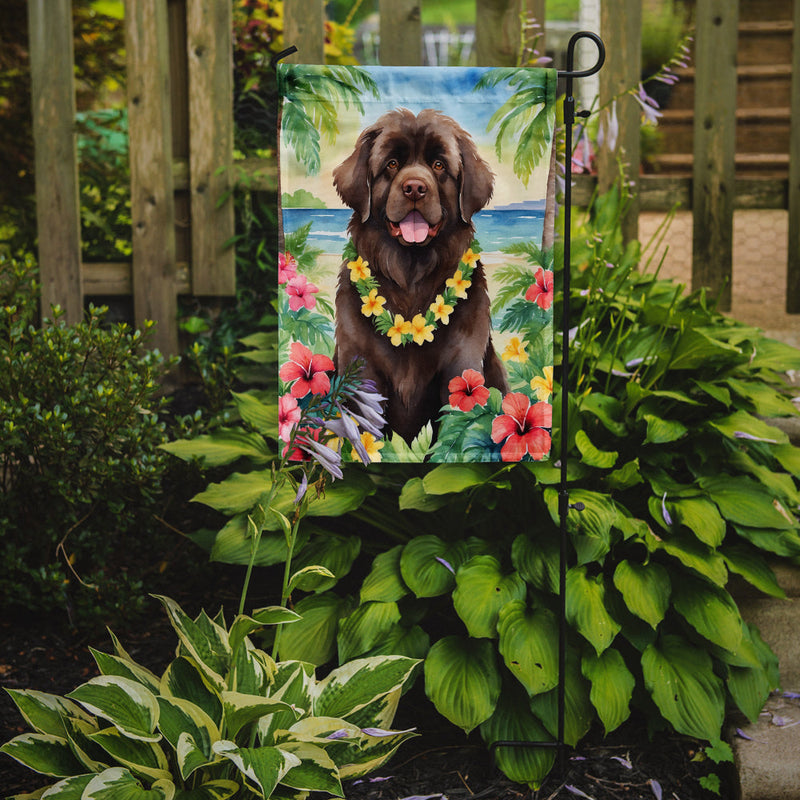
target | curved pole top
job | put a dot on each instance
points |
(570, 72)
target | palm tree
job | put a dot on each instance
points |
(312, 97)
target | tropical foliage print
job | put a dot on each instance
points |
(323, 109)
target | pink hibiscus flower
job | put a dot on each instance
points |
(521, 428)
(289, 414)
(541, 292)
(301, 293)
(287, 267)
(307, 370)
(468, 390)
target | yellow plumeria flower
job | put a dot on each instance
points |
(373, 304)
(373, 447)
(458, 284)
(441, 311)
(515, 351)
(398, 330)
(543, 386)
(422, 333)
(470, 258)
(359, 269)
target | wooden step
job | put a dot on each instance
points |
(754, 10)
(767, 165)
(758, 130)
(761, 42)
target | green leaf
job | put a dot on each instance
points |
(462, 680)
(179, 717)
(745, 502)
(313, 638)
(335, 553)
(44, 753)
(358, 683)
(609, 410)
(264, 766)
(529, 645)
(612, 687)
(627, 476)
(753, 567)
(454, 478)
(145, 759)
(663, 431)
(118, 784)
(421, 565)
(182, 679)
(512, 721)
(243, 625)
(241, 709)
(683, 685)
(537, 560)
(125, 668)
(385, 581)
(742, 422)
(591, 455)
(67, 789)
(365, 628)
(316, 772)
(126, 704)
(782, 543)
(586, 608)
(693, 554)
(481, 591)
(212, 790)
(223, 446)
(696, 349)
(44, 712)
(413, 497)
(701, 517)
(709, 609)
(645, 588)
(262, 417)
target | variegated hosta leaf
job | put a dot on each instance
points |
(294, 685)
(126, 704)
(125, 668)
(204, 641)
(117, 783)
(612, 686)
(646, 589)
(242, 709)
(180, 718)
(586, 608)
(45, 712)
(358, 683)
(252, 670)
(373, 752)
(145, 759)
(44, 753)
(683, 685)
(68, 789)
(316, 771)
(183, 679)
(212, 790)
(262, 766)
(481, 591)
(78, 733)
(513, 721)
(244, 625)
(462, 680)
(529, 645)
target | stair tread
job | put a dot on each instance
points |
(774, 114)
(766, 26)
(753, 159)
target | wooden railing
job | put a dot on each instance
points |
(181, 134)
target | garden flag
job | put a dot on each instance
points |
(413, 209)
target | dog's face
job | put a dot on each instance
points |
(414, 177)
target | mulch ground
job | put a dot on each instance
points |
(45, 654)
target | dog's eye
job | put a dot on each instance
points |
(438, 165)
(392, 163)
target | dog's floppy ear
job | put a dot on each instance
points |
(477, 180)
(352, 179)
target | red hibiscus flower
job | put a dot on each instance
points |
(541, 292)
(287, 267)
(301, 293)
(307, 370)
(289, 414)
(522, 428)
(468, 390)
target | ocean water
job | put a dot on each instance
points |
(494, 229)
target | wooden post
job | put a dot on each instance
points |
(56, 160)
(210, 53)
(793, 267)
(401, 33)
(714, 175)
(621, 27)
(304, 27)
(152, 202)
(498, 30)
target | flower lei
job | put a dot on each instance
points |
(421, 328)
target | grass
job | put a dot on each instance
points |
(462, 12)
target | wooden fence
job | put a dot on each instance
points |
(180, 97)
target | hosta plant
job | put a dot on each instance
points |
(224, 720)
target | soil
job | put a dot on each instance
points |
(45, 654)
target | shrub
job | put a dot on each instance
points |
(223, 720)
(79, 429)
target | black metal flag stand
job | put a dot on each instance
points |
(564, 505)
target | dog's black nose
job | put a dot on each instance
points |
(414, 189)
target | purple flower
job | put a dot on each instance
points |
(380, 732)
(624, 761)
(301, 489)
(327, 458)
(608, 131)
(664, 512)
(446, 564)
(369, 408)
(577, 792)
(742, 735)
(750, 436)
(655, 786)
(342, 733)
(649, 106)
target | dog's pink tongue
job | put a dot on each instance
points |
(414, 228)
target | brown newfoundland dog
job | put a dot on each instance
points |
(414, 183)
